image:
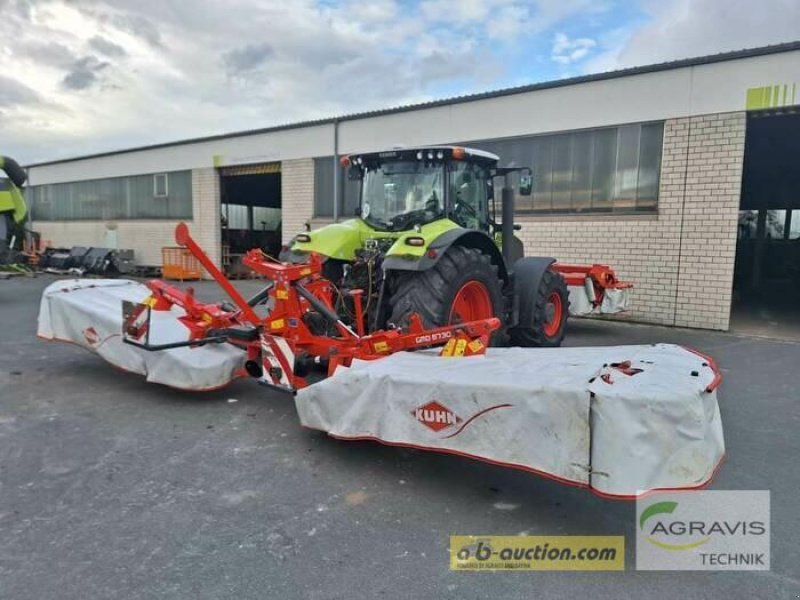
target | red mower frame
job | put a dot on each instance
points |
(281, 347)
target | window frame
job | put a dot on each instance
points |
(123, 198)
(525, 212)
(156, 177)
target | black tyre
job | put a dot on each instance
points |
(15, 173)
(462, 286)
(546, 313)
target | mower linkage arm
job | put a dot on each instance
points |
(169, 346)
(213, 336)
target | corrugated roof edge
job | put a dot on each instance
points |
(654, 68)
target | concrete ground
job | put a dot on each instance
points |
(110, 487)
(768, 315)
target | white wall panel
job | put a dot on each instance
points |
(280, 145)
(648, 97)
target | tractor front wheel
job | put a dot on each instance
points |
(463, 286)
(546, 312)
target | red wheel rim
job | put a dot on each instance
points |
(553, 312)
(471, 303)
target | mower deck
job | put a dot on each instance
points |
(87, 312)
(618, 420)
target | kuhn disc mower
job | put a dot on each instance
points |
(619, 420)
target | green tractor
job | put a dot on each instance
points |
(12, 205)
(426, 241)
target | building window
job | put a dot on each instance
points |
(608, 170)
(160, 185)
(159, 196)
(323, 190)
(323, 187)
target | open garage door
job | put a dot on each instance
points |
(767, 271)
(251, 212)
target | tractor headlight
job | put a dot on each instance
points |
(415, 241)
(303, 238)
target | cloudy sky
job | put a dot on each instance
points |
(82, 76)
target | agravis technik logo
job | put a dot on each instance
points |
(703, 531)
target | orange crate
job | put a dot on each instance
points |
(178, 263)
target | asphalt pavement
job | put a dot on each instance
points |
(114, 488)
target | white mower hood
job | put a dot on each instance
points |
(88, 312)
(652, 421)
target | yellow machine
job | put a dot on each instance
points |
(12, 202)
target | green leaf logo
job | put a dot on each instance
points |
(665, 508)
(656, 509)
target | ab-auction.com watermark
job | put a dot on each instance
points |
(703, 531)
(537, 553)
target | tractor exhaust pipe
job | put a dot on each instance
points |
(508, 219)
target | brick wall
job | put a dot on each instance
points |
(206, 227)
(147, 237)
(708, 243)
(681, 260)
(297, 191)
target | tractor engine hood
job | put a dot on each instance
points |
(341, 240)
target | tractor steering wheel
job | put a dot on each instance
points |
(432, 203)
(463, 210)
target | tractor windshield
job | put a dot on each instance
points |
(398, 195)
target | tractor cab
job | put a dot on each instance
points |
(404, 189)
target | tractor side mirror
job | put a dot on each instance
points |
(525, 185)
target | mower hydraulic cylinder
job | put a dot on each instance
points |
(261, 296)
(326, 312)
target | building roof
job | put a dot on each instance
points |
(654, 68)
(425, 147)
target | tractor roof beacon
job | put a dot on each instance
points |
(427, 240)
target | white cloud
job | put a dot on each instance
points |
(508, 22)
(463, 11)
(92, 75)
(567, 51)
(552, 12)
(676, 29)
(83, 76)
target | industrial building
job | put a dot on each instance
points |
(677, 174)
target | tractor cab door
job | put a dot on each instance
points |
(469, 195)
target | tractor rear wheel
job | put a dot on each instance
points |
(547, 313)
(463, 286)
